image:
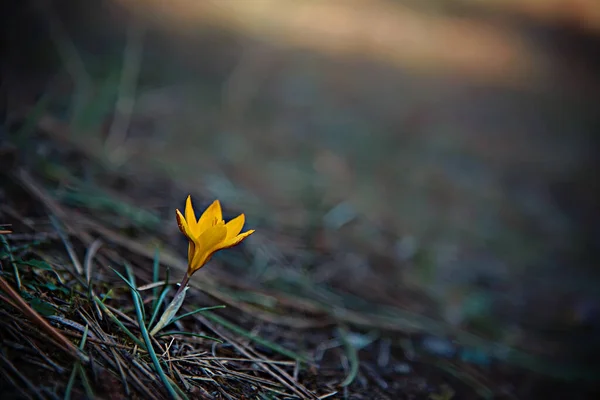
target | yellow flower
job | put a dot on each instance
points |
(208, 234)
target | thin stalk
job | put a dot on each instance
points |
(182, 285)
(138, 310)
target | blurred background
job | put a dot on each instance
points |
(433, 157)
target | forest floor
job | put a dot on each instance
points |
(89, 264)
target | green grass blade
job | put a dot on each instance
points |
(157, 306)
(84, 379)
(155, 268)
(162, 297)
(12, 261)
(242, 332)
(70, 383)
(87, 387)
(77, 368)
(84, 337)
(133, 288)
(119, 323)
(107, 295)
(352, 354)
(25, 247)
(196, 311)
(138, 310)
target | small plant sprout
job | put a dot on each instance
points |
(206, 236)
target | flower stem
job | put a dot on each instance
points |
(183, 284)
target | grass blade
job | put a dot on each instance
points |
(196, 311)
(157, 305)
(77, 368)
(155, 268)
(12, 261)
(352, 354)
(138, 310)
(70, 384)
(119, 323)
(133, 289)
(242, 332)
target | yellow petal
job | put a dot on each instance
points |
(210, 217)
(236, 240)
(191, 251)
(234, 227)
(190, 217)
(182, 224)
(206, 244)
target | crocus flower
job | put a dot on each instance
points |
(209, 233)
(206, 236)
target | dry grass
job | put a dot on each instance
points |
(316, 304)
(72, 328)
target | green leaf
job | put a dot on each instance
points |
(42, 307)
(170, 312)
(39, 264)
(52, 287)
